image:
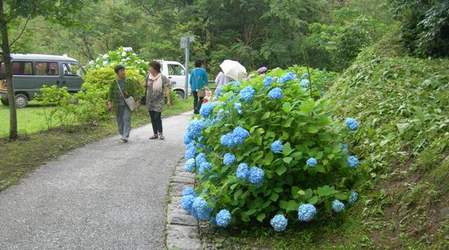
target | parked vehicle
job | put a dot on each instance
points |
(32, 71)
(175, 71)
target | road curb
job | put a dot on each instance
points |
(182, 230)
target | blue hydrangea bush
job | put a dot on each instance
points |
(267, 151)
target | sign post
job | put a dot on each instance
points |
(185, 44)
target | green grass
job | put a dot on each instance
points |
(29, 120)
(31, 150)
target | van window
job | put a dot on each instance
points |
(22, 68)
(175, 70)
(46, 68)
(18, 68)
(72, 69)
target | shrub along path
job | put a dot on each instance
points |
(106, 195)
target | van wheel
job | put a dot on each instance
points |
(180, 94)
(21, 101)
(4, 101)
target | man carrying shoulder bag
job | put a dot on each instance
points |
(121, 99)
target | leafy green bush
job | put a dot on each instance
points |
(267, 148)
(122, 56)
(88, 105)
(59, 97)
(425, 26)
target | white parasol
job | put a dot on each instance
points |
(233, 69)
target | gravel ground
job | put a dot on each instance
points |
(106, 195)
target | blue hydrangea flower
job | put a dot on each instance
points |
(256, 175)
(305, 83)
(242, 171)
(204, 166)
(338, 206)
(223, 218)
(200, 158)
(306, 212)
(277, 147)
(305, 76)
(236, 137)
(194, 129)
(235, 83)
(279, 223)
(312, 162)
(227, 140)
(228, 159)
(247, 94)
(238, 107)
(189, 166)
(187, 202)
(201, 209)
(187, 139)
(352, 123)
(207, 109)
(287, 77)
(268, 81)
(240, 134)
(220, 115)
(353, 161)
(188, 191)
(353, 197)
(275, 94)
(190, 151)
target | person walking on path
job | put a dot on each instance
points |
(119, 90)
(198, 80)
(157, 88)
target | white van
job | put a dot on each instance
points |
(175, 71)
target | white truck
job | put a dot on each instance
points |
(175, 71)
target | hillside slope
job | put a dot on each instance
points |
(403, 105)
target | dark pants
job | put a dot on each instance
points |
(156, 121)
(197, 102)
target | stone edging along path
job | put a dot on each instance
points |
(182, 231)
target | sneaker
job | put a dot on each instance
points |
(161, 137)
(154, 137)
(124, 140)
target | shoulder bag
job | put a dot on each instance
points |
(130, 102)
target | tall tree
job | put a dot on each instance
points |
(10, 10)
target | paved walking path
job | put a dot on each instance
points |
(106, 195)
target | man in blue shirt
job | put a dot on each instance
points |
(198, 80)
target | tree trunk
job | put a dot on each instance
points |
(8, 70)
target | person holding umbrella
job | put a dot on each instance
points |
(198, 80)
(230, 71)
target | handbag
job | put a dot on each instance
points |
(130, 102)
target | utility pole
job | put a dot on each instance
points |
(185, 44)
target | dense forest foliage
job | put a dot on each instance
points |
(325, 34)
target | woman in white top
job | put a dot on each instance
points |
(221, 80)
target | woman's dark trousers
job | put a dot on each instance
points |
(156, 121)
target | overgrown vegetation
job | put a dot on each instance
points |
(402, 103)
(425, 26)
